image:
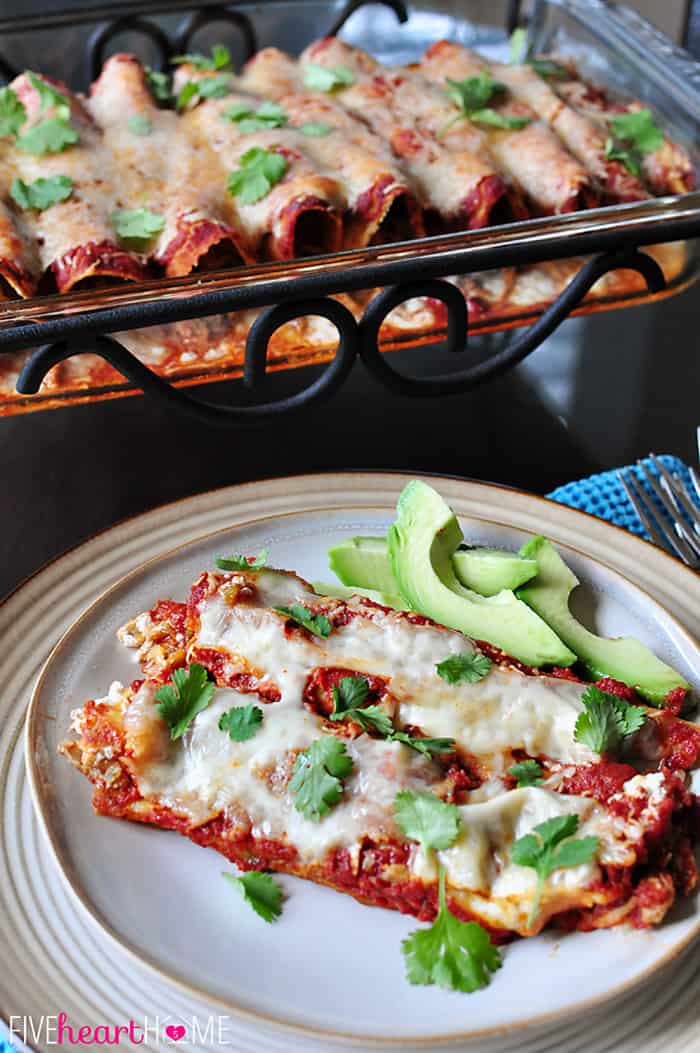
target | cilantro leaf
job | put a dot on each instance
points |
(527, 773)
(261, 891)
(543, 851)
(317, 624)
(135, 227)
(625, 155)
(214, 87)
(547, 68)
(475, 92)
(49, 96)
(247, 120)
(425, 746)
(259, 171)
(51, 136)
(42, 192)
(315, 128)
(241, 722)
(521, 54)
(316, 785)
(472, 97)
(453, 954)
(347, 700)
(471, 666)
(348, 697)
(607, 720)
(158, 84)
(187, 92)
(220, 59)
(187, 694)
(494, 119)
(638, 128)
(327, 78)
(12, 112)
(239, 562)
(350, 693)
(425, 818)
(139, 124)
(633, 134)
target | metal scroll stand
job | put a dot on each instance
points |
(74, 335)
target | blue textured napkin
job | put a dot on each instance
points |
(603, 495)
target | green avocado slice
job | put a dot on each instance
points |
(325, 588)
(365, 563)
(624, 658)
(422, 541)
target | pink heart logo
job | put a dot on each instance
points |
(175, 1032)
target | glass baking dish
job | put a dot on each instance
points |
(510, 273)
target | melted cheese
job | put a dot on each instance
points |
(504, 711)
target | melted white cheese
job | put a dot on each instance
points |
(503, 712)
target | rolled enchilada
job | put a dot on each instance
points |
(76, 241)
(154, 160)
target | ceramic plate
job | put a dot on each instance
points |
(123, 924)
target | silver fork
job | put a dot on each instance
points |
(680, 534)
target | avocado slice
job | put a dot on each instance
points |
(489, 571)
(324, 588)
(364, 562)
(421, 544)
(624, 658)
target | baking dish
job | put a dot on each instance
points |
(517, 268)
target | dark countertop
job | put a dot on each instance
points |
(603, 390)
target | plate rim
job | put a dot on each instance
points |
(30, 736)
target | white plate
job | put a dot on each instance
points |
(55, 958)
(330, 965)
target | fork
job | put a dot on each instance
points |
(679, 530)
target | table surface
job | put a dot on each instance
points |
(602, 391)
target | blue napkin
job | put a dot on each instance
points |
(603, 495)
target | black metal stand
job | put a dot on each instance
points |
(353, 339)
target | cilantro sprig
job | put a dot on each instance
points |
(159, 84)
(550, 847)
(317, 624)
(453, 954)
(259, 170)
(527, 773)
(247, 120)
(633, 135)
(42, 193)
(12, 112)
(139, 124)
(348, 698)
(220, 59)
(240, 562)
(327, 78)
(315, 129)
(207, 88)
(51, 136)
(606, 721)
(241, 722)
(187, 694)
(471, 666)
(260, 891)
(521, 54)
(472, 97)
(317, 781)
(136, 226)
(423, 817)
